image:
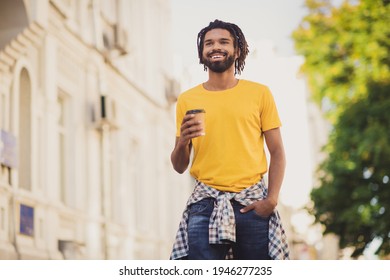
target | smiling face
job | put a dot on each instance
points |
(219, 53)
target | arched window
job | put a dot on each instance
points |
(24, 138)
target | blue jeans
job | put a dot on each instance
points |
(251, 234)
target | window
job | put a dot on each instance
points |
(24, 137)
(26, 223)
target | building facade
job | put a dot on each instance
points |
(87, 127)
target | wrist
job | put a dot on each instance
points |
(272, 201)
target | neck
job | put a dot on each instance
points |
(220, 81)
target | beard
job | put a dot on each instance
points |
(219, 66)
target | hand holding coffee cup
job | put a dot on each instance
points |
(199, 117)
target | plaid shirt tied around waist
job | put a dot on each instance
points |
(222, 227)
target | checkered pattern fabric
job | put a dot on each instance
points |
(222, 221)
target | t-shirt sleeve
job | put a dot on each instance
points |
(269, 116)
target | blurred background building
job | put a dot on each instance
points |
(87, 105)
(87, 127)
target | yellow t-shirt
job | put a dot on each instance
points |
(231, 156)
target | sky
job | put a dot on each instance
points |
(259, 19)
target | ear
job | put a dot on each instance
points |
(238, 52)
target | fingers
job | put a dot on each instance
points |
(247, 208)
(190, 128)
(260, 207)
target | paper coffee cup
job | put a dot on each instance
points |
(200, 115)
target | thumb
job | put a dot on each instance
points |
(247, 208)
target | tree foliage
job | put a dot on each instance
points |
(347, 64)
(353, 200)
(344, 48)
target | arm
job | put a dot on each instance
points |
(180, 156)
(277, 166)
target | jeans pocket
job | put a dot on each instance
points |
(201, 206)
(260, 216)
(253, 213)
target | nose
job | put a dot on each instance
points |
(216, 49)
(217, 46)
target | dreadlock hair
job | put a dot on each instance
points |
(239, 42)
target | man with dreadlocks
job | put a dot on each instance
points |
(231, 212)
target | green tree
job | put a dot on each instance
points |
(353, 200)
(347, 64)
(344, 49)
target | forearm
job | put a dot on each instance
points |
(265, 207)
(180, 157)
(275, 175)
